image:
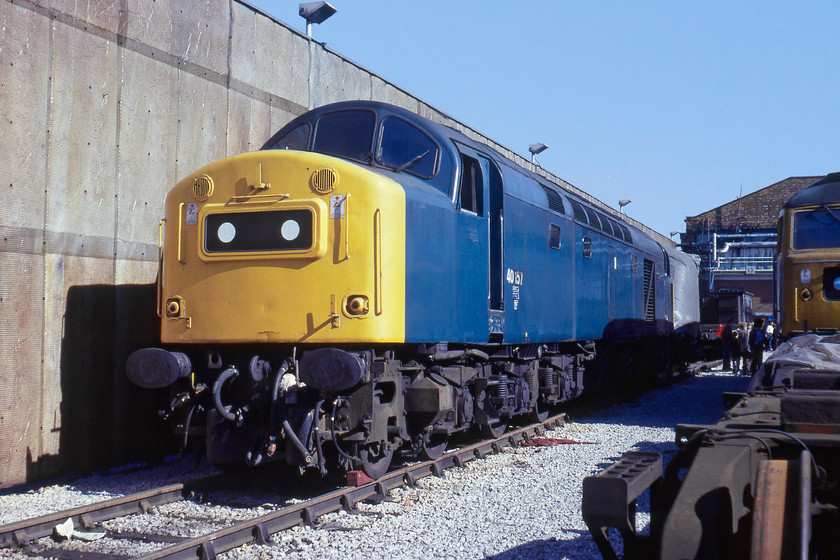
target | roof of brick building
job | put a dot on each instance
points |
(755, 211)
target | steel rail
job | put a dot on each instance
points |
(259, 529)
(22, 532)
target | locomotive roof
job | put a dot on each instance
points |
(444, 132)
(824, 191)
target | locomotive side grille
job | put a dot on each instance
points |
(593, 218)
(580, 215)
(554, 201)
(649, 299)
(606, 225)
(617, 230)
(627, 237)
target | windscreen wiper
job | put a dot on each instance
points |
(411, 163)
(833, 215)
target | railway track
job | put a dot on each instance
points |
(217, 540)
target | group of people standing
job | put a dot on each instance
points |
(744, 345)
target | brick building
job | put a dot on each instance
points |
(736, 242)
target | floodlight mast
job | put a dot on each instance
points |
(315, 12)
(622, 203)
(535, 149)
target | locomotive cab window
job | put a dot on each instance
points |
(472, 185)
(404, 147)
(295, 139)
(816, 229)
(347, 134)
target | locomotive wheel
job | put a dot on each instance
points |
(433, 446)
(375, 459)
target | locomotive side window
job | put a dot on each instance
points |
(346, 134)
(472, 190)
(405, 147)
(816, 229)
(586, 247)
(295, 139)
(554, 236)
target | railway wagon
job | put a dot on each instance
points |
(807, 262)
(371, 282)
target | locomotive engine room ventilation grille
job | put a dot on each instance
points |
(324, 181)
(580, 215)
(555, 202)
(649, 295)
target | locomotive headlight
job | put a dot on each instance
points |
(357, 305)
(806, 295)
(290, 230)
(173, 307)
(226, 232)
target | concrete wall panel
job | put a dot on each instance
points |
(148, 116)
(104, 14)
(338, 80)
(249, 124)
(83, 126)
(269, 57)
(194, 31)
(21, 306)
(202, 124)
(24, 92)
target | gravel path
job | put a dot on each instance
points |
(519, 504)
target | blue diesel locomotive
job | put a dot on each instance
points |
(371, 281)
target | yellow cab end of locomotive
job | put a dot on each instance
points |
(347, 285)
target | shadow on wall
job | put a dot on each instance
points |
(105, 420)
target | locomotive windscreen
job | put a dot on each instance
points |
(818, 229)
(280, 230)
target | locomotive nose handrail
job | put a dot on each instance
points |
(377, 260)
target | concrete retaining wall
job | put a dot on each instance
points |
(104, 106)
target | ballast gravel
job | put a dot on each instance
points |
(521, 503)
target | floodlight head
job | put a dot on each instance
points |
(624, 202)
(537, 148)
(316, 12)
(673, 233)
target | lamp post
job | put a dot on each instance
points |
(315, 12)
(622, 203)
(536, 149)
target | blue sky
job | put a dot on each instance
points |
(677, 105)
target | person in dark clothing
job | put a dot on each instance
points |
(726, 343)
(757, 342)
(735, 345)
